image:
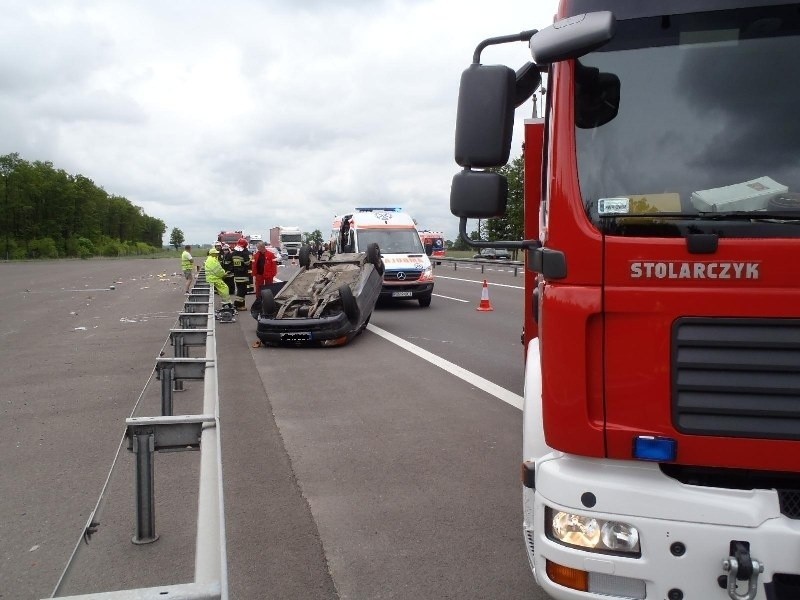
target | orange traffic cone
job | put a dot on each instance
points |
(485, 305)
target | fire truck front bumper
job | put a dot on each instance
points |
(599, 529)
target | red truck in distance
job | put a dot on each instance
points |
(230, 237)
(661, 420)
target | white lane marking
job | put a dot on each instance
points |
(480, 282)
(449, 298)
(479, 382)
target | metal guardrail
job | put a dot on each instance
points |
(147, 435)
(516, 265)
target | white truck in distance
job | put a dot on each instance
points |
(288, 239)
(254, 239)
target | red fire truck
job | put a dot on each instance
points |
(661, 436)
(230, 237)
(433, 242)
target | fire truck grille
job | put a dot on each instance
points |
(790, 503)
(786, 484)
(736, 377)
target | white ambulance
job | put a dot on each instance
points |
(409, 273)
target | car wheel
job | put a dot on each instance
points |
(305, 256)
(425, 301)
(268, 305)
(374, 257)
(349, 304)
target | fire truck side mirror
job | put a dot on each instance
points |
(572, 37)
(478, 195)
(485, 117)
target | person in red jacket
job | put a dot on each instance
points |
(264, 268)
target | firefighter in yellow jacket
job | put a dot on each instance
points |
(215, 275)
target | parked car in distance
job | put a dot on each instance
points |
(493, 253)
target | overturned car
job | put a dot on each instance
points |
(327, 302)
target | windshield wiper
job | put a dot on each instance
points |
(733, 215)
(748, 215)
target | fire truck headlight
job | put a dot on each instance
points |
(620, 537)
(594, 535)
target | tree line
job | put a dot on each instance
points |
(48, 213)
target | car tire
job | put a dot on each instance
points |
(425, 301)
(349, 304)
(268, 305)
(305, 256)
(374, 257)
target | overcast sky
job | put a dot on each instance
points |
(248, 114)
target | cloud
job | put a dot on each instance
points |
(248, 114)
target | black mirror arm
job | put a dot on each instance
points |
(522, 36)
(522, 244)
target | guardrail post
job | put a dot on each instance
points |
(180, 352)
(190, 320)
(167, 376)
(143, 449)
(146, 435)
(191, 306)
(171, 369)
(199, 295)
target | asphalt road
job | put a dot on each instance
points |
(76, 356)
(366, 471)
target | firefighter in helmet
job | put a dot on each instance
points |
(226, 260)
(215, 275)
(241, 272)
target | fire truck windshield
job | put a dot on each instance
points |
(681, 116)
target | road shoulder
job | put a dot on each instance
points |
(274, 548)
